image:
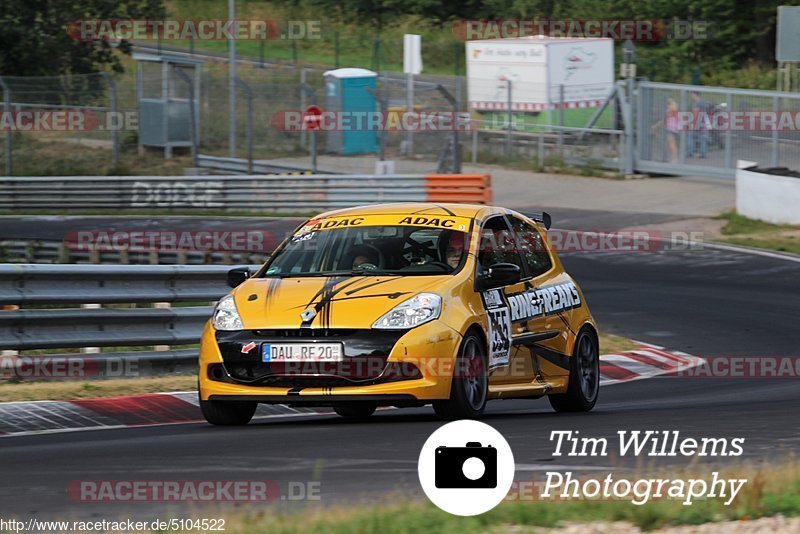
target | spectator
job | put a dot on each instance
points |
(671, 127)
(701, 123)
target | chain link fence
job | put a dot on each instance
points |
(686, 129)
(52, 114)
(590, 134)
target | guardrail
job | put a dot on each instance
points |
(223, 165)
(59, 327)
(256, 192)
(59, 251)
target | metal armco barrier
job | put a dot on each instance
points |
(222, 165)
(75, 327)
(101, 327)
(108, 284)
(264, 192)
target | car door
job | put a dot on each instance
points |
(547, 301)
(508, 321)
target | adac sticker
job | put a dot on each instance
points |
(499, 318)
(438, 222)
(328, 224)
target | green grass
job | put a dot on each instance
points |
(443, 53)
(741, 230)
(573, 118)
(33, 390)
(770, 491)
(739, 224)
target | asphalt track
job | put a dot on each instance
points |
(707, 302)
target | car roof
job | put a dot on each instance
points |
(472, 211)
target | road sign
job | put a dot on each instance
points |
(312, 118)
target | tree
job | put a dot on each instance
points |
(34, 38)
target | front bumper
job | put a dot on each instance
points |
(389, 367)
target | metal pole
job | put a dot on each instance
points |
(683, 141)
(206, 105)
(629, 131)
(729, 135)
(192, 119)
(776, 105)
(561, 120)
(629, 64)
(540, 148)
(165, 98)
(314, 151)
(139, 96)
(115, 129)
(336, 48)
(303, 103)
(382, 105)
(456, 125)
(410, 106)
(232, 82)
(9, 140)
(248, 94)
(510, 120)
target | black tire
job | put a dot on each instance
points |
(470, 387)
(584, 376)
(228, 413)
(355, 410)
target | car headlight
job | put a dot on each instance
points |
(413, 312)
(226, 316)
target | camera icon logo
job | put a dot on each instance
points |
(472, 466)
(464, 476)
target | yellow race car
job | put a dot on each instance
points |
(402, 305)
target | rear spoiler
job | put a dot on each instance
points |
(542, 217)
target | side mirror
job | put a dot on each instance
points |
(499, 275)
(238, 275)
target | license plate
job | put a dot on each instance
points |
(301, 352)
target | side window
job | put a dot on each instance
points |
(496, 245)
(531, 246)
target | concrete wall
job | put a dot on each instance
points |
(768, 197)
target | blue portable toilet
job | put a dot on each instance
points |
(351, 90)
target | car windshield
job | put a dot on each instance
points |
(370, 250)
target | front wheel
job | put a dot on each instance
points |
(470, 386)
(584, 376)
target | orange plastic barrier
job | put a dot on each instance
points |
(465, 188)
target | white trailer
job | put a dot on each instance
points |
(538, 67)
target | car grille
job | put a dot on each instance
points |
(365, 356)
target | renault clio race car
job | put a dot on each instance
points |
(402, 305)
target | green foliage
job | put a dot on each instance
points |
(34, 38)
(732, 33)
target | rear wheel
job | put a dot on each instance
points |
(360, 410)
(470, 386)
(228, 412)
(584, 376)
